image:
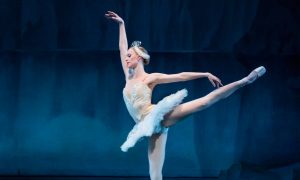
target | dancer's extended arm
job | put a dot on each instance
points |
(159, 78)
(123, 44)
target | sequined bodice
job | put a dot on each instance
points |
(138, 100)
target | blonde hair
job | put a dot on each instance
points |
(145, 61)
(141, 51)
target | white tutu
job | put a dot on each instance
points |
(151, 123)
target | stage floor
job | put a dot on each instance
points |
(94, 178)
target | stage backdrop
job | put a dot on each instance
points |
(61, 104)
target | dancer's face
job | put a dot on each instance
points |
(132, 59)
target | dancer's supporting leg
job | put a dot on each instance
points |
(199, 104)
(156, 154)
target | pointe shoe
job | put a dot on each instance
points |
(255, 74)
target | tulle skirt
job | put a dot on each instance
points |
(152, 122)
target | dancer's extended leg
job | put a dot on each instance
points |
(199, 104)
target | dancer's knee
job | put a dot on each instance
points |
(205, 102)
(214, 97)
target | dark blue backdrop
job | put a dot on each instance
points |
(61, 106)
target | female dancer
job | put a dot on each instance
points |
(154, 120)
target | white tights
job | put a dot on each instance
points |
(156, 154)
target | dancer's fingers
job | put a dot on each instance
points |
(107, 14)
(110, 17)
(218, 85)
(112, 13)
(219, 81)
(213, 83)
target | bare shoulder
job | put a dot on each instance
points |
(155, 75)
(151, 78)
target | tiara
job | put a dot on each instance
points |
(136, 43)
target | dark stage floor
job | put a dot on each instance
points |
(94, 178)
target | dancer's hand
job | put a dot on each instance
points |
(113, 16)
(216, 82)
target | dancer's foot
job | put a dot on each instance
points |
(255, 74)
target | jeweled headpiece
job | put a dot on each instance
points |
(135, 45)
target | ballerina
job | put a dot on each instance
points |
(153, 120)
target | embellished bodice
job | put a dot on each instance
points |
(138, 100)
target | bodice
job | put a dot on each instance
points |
(138, 100)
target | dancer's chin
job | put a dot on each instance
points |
(131, 66)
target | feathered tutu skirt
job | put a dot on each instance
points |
(152, 122)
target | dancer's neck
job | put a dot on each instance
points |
(137, 73)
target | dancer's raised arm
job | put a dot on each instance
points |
(123, 44)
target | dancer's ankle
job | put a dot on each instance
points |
(243, 82)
